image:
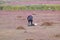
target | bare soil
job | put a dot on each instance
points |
(10, 20)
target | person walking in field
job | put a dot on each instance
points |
(30, 20)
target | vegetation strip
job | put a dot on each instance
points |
(32, 7)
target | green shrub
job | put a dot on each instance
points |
(1, 7)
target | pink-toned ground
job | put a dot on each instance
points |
(33, 2)
(9, 20)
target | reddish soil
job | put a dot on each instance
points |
(33, 2)
(10, 20)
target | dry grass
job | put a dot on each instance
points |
(33, 14)
(47, 24)
(23, 19)
(19, 16)
(57, 35)
(20, 28)
(29, 39)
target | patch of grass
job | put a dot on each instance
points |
(29, 39)
(57, 35)
(20, 28)
(46, 24)
(33, 14)
(32, 7)
(23, 19)
(1, 7)
(19, 16)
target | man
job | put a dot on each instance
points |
(30, 20)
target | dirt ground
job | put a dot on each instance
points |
(33, 2)
(10, 20)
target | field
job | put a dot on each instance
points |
(11, 20)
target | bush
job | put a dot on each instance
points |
(1, 7)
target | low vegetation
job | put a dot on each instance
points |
(32, 7)
(29, 39)
(57, 35)
(47, 24)
(20, 28)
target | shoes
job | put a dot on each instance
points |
(31, 25)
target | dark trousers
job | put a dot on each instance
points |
(30, 22)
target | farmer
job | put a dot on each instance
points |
(30, 20)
